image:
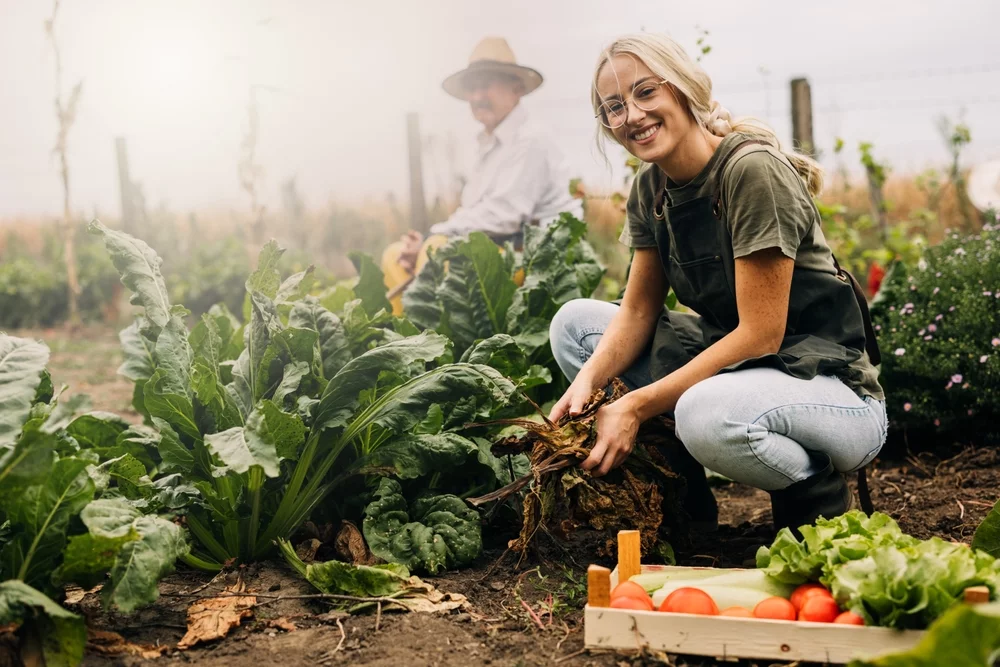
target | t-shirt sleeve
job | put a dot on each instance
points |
(767, 205)
(638, 230)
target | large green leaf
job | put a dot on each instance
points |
(342, 394)
(142, 563)
(90, 556)
(139, 363)
(965, 636)
(22, 363)
(40, 515)
(296, 286)
(420, 300)
(62, 633)
(987, 536)
(173, 358)
(333, 348)
(26, 462)
(370, 287)
(434, 533)
(175, 409)
(268, 432)
(97, 430)
(66, 411)
(266, 279)
(139, 267)
(410, 456)
(339, 578)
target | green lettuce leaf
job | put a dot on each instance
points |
(435, 533)
(139, 267)
(987, 536)
(965, 636)
(63, 634)
(333, 348)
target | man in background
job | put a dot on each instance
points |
(519, 176)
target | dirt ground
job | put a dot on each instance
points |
(944, 493)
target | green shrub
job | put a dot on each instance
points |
(939, 331)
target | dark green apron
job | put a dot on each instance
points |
(826, 328)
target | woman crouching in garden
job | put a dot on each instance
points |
(768, 379)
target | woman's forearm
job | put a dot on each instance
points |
(739, 345)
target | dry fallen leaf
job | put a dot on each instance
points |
(75, 594)
(306, 551)
(215, 617)
(281, 624)
(350, 545)
(112, 643)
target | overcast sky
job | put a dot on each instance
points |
(337, 77)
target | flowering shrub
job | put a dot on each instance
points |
(939, 331)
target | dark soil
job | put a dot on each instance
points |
(945, 494)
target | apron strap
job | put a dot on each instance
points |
(871, 343)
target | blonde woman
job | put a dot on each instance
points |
(770, 378)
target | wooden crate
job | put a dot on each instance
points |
(726, 637)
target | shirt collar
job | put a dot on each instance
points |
(506, 130)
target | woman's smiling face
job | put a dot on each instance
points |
(642, 112)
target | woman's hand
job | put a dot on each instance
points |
(574, 399)
(617, 426)
(412, 242)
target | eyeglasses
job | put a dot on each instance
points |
(646, 96)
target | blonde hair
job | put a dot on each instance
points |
(668, 60)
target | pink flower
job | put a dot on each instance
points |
(939, 317)
(928, 337)
(982, 359)
(952, 309)
(922, 332)
(938, 274)
(932, 328)
(970, 412)
(913, 288)
(936, 290)
(900, 351)
(995, 342)
(957, 378)
(937, 422)
(907, 407)
(987, 293)
(891, 308)
(878, 327)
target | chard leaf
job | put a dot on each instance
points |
(434, 533)
(336, 298)
(271, 428)
(141, 563)
(965, 636)
(420, 300)
(89, 557)
(174, 455)
(342, 394)
(503, 353)
(411, 456)
(266, 279)
(175, 409)
(370, 287)
(987, 536)
(66, 411)
(40, 514)
(22, 363)
(173, 358)
(139, 363)
(238, 451)
(333, 349)
(62, 633)
(139, 267)
(27, 461)
(290, 381)
(338, 578)
(295, 286)
(97, 430)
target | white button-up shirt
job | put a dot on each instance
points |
(519, 176)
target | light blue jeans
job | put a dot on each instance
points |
(755, 426)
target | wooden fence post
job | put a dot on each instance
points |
(125, 187)
(418, 207)
(802, 120)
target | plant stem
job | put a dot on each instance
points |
(255, 484)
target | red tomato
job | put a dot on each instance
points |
(690, 601)
(630, 589)
(819, 609)
(775, 608)
(849, 618)
(741, 612)
(625, 602)
(805, 591)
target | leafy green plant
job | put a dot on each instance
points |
(267, 419)
(467, 290)
(937, 323)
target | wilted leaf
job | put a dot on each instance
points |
(350, 545)
(113, 644)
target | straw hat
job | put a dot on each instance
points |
(984, 185)
(491, 55)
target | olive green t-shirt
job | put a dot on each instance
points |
(767, 206)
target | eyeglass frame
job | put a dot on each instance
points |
(629, 100)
